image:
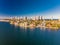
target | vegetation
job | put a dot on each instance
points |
(52, 24)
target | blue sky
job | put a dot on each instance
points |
(24, 7)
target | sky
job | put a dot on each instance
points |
(29, 7)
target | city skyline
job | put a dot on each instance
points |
(29, 22)
(30, 17)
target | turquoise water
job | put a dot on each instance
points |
(12, 35)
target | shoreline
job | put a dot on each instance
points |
(34, 26)
(49, 24)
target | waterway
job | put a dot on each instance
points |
(14, 35)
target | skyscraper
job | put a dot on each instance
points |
(41, 17)
(38, 17)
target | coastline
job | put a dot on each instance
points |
(32, 25)
(37, 23)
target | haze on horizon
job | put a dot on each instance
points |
(30, 8)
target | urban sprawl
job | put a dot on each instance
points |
(36, 22)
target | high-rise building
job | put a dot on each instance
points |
(41, 17)
(38, 17)
(25, 18)
(35, 18)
